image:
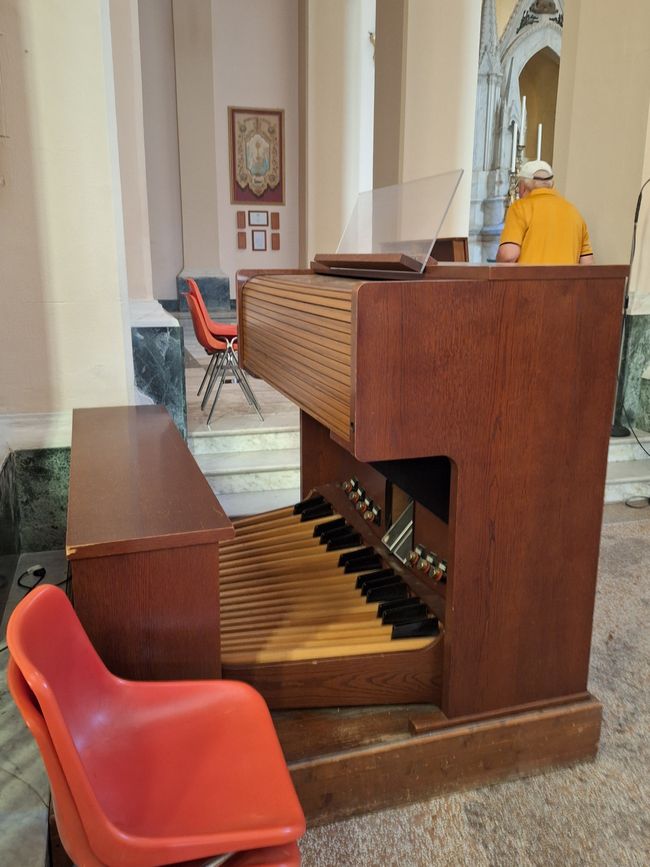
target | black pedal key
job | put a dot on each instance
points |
(388, 593)
(368, 582)
(399, 603)
(408, 614)
(319, 529)
(356, 555)
(336, 533)
(300, 507)
(320, 511)
(341, 542)
(381, 573)
(365, 565)
(420, 629)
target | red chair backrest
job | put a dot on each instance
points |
(71, 831)
(195, 292)
(207, 341)
(215, 328)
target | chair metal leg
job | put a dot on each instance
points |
(245, 386)
(213, 378)
(213, 359)
(219, 387)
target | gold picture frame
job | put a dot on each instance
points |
(256, 141)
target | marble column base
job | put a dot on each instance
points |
(159, 369)
(215, 291)
(634, 389)
(42, 478)
(9, 526)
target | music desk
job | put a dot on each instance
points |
(142, 539)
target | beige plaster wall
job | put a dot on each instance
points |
(64, 337)
(161, 144)
(602, 119)
(440, 96)
(255, 61)
(194, 53)
(339, 129)
(504, 10)
(125, 40)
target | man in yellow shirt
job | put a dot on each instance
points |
(542, 228)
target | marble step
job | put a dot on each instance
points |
(627, 479)
(237, 472)
(237, 440)
(628, 449)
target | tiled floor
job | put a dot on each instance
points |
(24, 792)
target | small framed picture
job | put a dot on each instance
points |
(241, 219)
(275, 240)
(275, 220)
(258, 218)
(241, 240)
(258, 239)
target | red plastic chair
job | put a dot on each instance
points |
(226, 362)
(146, 773)
(217, 329)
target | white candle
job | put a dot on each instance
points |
(539, 141)
(513, 158)
(523, 121)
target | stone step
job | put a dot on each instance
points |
(627, 479)
(237, 472)
(261, 439)
(256, 502)
(628, 449)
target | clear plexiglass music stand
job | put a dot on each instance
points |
(392, 229)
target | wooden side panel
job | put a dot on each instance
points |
(299, 340)
(519, 377)
(152, 615)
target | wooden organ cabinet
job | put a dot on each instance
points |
(475, 401)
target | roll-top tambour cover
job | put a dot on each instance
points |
(298, 337)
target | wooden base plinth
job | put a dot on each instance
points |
(359, 761)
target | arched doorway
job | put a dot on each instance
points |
(538, 83)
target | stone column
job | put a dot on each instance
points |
(156, 336)
(197, 148)
(440, 95)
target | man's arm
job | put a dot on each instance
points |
(508, 252)
(587, 259)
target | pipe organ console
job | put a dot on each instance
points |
(421, 621)
(454, 434)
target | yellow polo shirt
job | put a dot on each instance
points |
(549, 230)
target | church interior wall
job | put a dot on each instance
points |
(338, 125)
(255, 51)
(161, 145)
(538, 81)
(441, 81)
(64, 288)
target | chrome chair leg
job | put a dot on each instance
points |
(219, 387)
(213, 359)
(215, 373)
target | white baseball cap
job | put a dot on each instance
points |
(536, 170)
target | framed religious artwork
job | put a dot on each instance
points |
(256, 137)
(258, 218)
(258, 239)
